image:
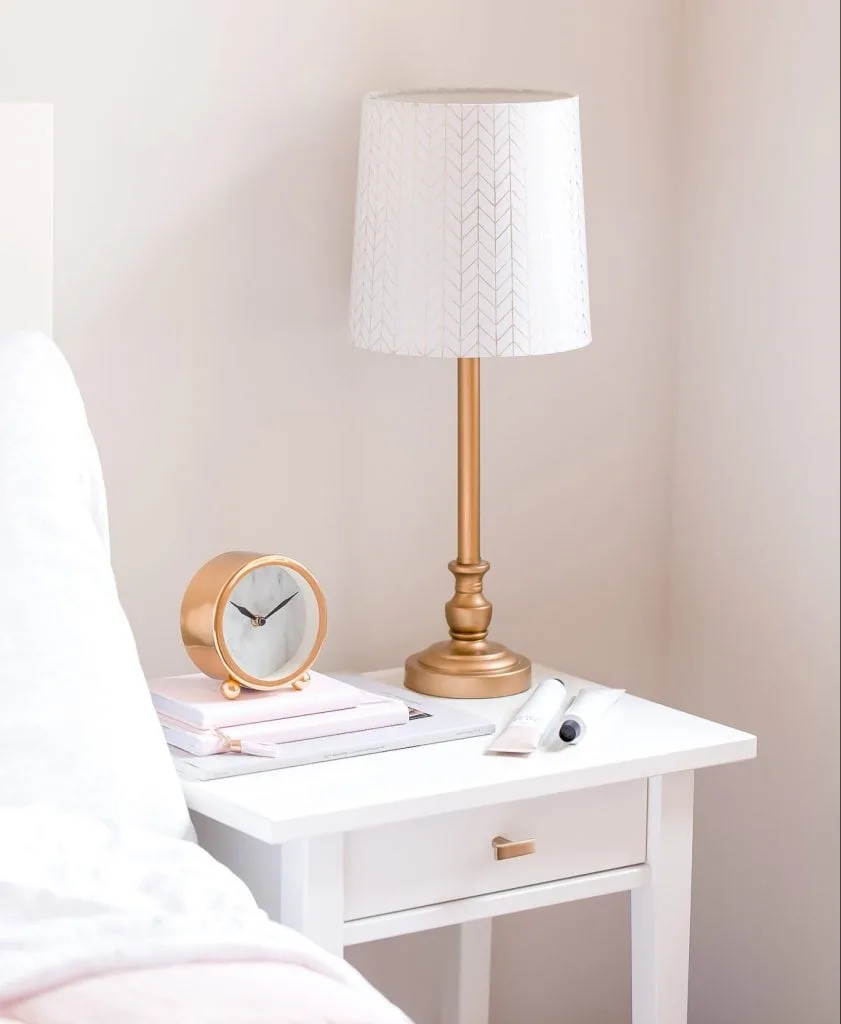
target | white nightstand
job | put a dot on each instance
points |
(371, 847)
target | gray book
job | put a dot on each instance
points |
(430, 721)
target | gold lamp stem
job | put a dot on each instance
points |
(468, 664)
(468, 461)
(468, 611)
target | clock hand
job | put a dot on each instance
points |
(244, 611)
(281, 605)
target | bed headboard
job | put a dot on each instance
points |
(26, 216)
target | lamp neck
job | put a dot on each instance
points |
(468, 461)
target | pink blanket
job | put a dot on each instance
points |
(100, 923)
(245, 993)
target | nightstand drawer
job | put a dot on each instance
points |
(453, 856)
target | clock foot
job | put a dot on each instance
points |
(302, 683)
(230, 689)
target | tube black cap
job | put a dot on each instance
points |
(570, 731)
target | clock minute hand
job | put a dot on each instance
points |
(281, 605)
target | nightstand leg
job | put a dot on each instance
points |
(312, 899)
(660, 911)
(467, 981)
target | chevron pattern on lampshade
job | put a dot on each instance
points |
(469, 237)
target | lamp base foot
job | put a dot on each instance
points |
(468, 669)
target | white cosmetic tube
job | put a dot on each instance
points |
(538, 718)
(587, 707)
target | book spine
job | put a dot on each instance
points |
(331, 723)
(373, 742)
(295, 706)
(187, 713)
(203, 742)
(198, 742)
(232, 715)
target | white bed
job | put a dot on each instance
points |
(108, 910)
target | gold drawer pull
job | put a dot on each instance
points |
(504, 848)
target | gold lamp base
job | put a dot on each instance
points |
(468, 664)
(455, 669)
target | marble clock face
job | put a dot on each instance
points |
(270, 622)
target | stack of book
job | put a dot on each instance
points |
(212, 737)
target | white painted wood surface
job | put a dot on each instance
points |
(638, 739)
(26, 216)
(450, 856)
(496, 904)
(311, 886)
(660, 911)
(466, 986)
(401, 837)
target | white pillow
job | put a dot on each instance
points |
(77, 727)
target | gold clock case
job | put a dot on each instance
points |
(203, 608)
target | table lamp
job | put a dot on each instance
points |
(469, 243)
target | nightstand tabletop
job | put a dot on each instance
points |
(638, 739)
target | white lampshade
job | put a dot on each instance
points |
(469, 236)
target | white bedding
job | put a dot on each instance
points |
(77, 726)
(103, 904)
(80, 899)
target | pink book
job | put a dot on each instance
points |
(195, 700)
(372, 712)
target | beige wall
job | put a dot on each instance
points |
(26, 230)
(755, 569)
(204, 186)
(205, 166)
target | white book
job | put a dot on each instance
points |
(197, 700)
(430, 721)
(372, 712)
